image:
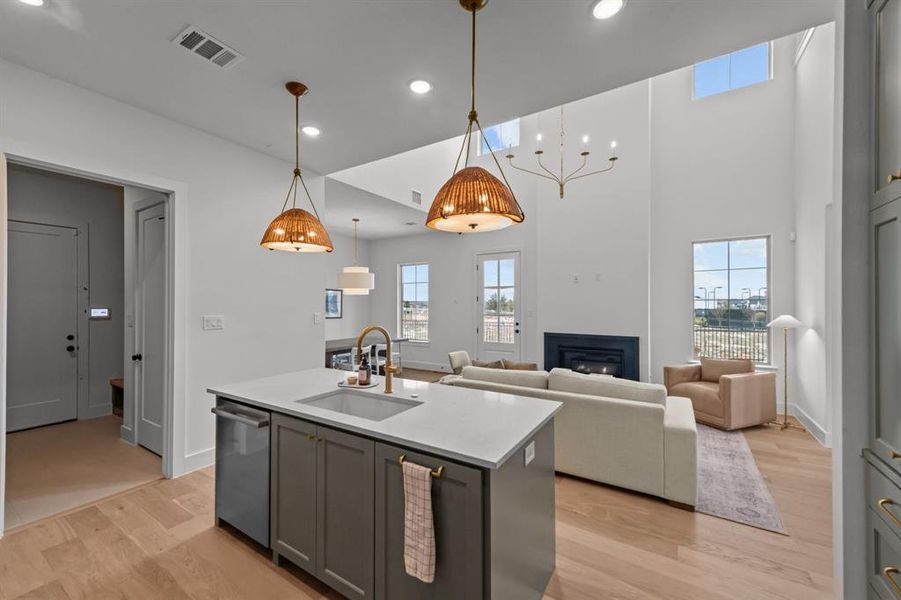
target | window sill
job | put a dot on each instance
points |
(765, 367)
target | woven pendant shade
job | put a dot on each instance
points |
(296, 230)
(473, 200)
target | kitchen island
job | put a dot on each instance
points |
(335, 487)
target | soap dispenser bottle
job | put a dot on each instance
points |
(365, 374)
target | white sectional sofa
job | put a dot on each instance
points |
(615, 431)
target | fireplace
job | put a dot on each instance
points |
(615, 355)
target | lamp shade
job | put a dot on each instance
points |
(296, 230)
(473, 200)
(785, 322)
(356, 281)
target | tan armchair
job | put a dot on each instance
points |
(727, 394)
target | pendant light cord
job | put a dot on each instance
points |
(474, 118)
(356, 224)
(292, 191)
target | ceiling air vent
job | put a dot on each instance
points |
(202, 44)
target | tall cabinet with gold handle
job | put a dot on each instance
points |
(883, 452)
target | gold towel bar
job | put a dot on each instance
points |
(436, 474)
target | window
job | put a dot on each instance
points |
(499, 300)
(500, 137)
(414, 303)
(732, 71)
(731, 299)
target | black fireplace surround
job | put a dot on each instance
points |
(616, 355)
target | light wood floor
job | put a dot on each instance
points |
(59, 467)
(160, 542)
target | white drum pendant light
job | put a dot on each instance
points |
(356, 280)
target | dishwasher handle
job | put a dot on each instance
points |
(225, 414)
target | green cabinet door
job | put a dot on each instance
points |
(457, 511)
(293, 519)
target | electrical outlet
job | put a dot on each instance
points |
(575, 278)
(529, 453)
(213, 322)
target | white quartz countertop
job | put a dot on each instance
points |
(476, 427)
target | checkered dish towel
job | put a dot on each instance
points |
(419, 528)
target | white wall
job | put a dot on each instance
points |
(356, 308)
(721, 167)
(95, 209)
(689, 170)
(813, 186)
(229, 194)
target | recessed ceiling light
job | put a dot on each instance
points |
(311, 131)
(420, 86)
(604, 9)
(33, 2)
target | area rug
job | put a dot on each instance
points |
(730, 485)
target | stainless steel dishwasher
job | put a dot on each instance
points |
(242, 468)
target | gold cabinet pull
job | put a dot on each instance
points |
(884, 507)
(313, 438)
(887, 572)
(896, 455)
(435, 473)
(893, 177)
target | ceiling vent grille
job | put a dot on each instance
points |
(202, 44)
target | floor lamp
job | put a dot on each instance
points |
(785, 322)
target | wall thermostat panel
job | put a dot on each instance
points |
(96, 313)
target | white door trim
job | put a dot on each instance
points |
(51, 158)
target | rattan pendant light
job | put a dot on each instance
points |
(356, 280)
(474, 200)
(294, 229)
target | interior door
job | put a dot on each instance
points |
(150, 327)
(499, 306)
(42, 349)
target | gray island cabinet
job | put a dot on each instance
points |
(336, 503)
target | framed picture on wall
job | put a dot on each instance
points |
(334, 304)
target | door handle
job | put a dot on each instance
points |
(70, 348)
(225, 414)
(136, 357)
(70, 337)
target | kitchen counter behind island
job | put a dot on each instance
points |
(493, 499)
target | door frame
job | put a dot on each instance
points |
(50, 158)
(477, 291)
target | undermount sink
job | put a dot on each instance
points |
(365, 406)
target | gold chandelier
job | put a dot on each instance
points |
(562, 179)
(474, 200)
(294, 229)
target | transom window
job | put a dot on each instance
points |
(732, 71)
(414, 303)
(731, 299)
(500, 137)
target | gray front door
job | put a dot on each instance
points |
(42, 353)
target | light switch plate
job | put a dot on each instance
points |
(317, 318)
(213, 322)
(529, 453)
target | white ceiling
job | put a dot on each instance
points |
(358, 57)
(380, 217)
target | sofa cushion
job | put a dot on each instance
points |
(713, 368)
(519, 366)
(564, 380)
(488, 364)
(531, 379)
(704, 395)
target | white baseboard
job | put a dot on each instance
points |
(816, 430)
(198, 460)
(128, 434)
(427, 366)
